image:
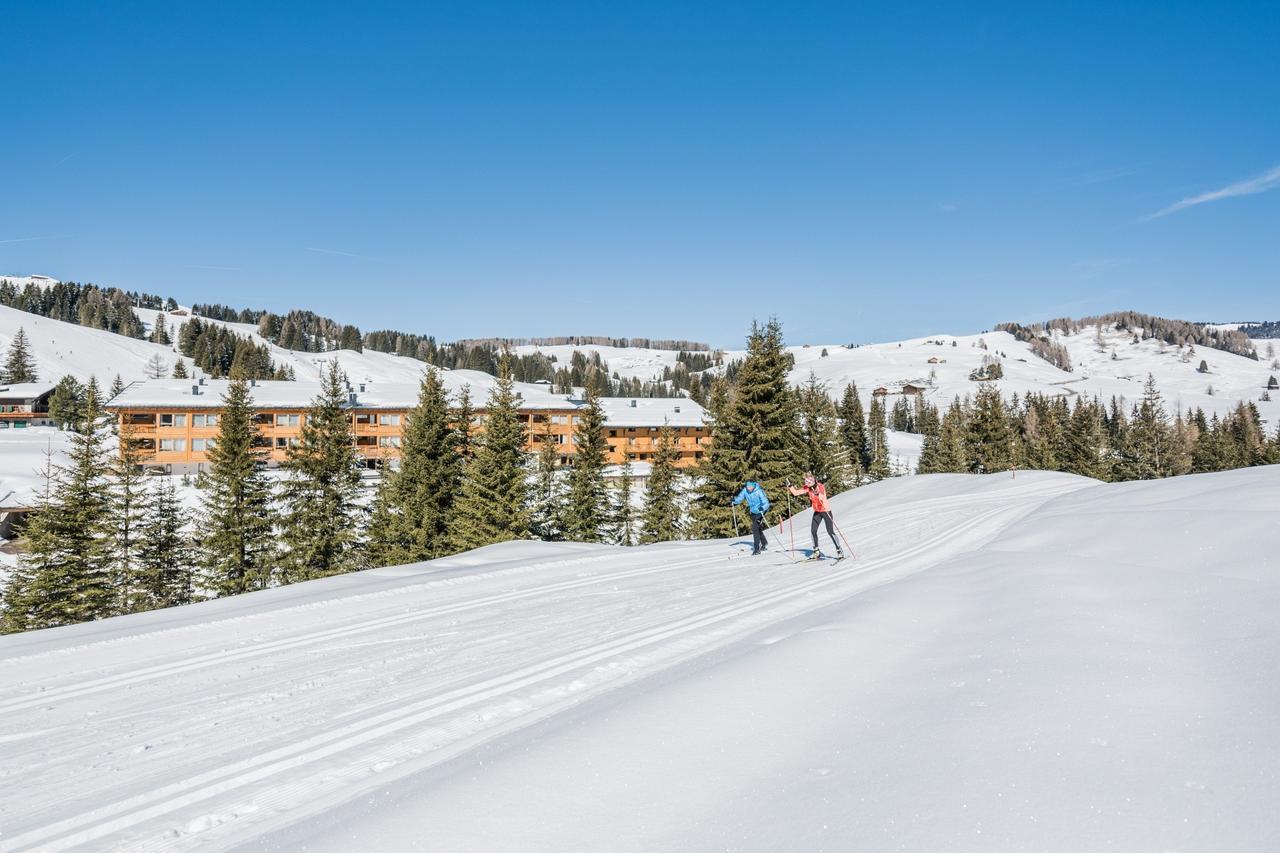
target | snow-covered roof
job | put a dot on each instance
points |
(188, 394)
(26, 390)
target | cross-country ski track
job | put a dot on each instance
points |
(222, 723)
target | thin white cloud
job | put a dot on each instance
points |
(26, 239)
(1265, 182)
(343, 254)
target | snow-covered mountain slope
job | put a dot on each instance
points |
(62, 348)
(1119, 368)
(1038, 662)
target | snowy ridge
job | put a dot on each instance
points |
(269, 718)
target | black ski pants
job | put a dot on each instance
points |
(818, 518)
(757, 532)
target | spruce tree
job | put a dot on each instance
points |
(66, 404)
(323, 517)
(117, 385)
(720, 474)
(624, 516)
(990, 437)
(18, 597)
(19, 364)
(853, 430)
(548, 491)
(68, 562)
(492, 504)
(412, 509)
(166, 556)
(1088, 450)
(820, 442)
(945, 451)
(663, 517)
(160, 331)
(878, 441)
(1147, 446)
(466, 429)
(761, 437)
(236, 532)
(128, 499)
(179, 369)
(586, 512)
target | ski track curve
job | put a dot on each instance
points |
(210, 794)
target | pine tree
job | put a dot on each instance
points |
(66, 404)
(1088, 450)
(117, 385)
(587, 508)
(624, 516)
(237, 529)
(663, 517)
(548, 492)
(761, 420)
(322, 519)
(19, 364)
(878, 442)
(1146, 450)
(853, 430)
(128, 498)
(19, 594)
(68, 562)
(720, 473)
(820, 441)
(466, 429)
(947, 452)
(412, 509)
(990, 438)
(179, 370)
(166, 557)
(160, 331)
(492, 505)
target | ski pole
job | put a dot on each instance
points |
(736, 533)
(791, 518)
(842, 536)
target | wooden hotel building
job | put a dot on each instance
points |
(175, 422)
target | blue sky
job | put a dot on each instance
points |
(863, 171)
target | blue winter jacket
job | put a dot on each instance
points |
(757, 500)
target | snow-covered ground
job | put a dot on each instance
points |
(1030, 662)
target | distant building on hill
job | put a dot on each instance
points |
(174, 423)
(25, 404)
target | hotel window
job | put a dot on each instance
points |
(199, 445)
(173, 420)
(204, 420)
(363, 418)
(388, 420)
(577, 419)
(173, 445)
(389, 440)
(559, 420)
(288, 420)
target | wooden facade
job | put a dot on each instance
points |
(25, 405)
(179, 436)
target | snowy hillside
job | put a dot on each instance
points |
(1038, 662)
(1233, 378)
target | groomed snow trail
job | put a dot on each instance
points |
(211, 724)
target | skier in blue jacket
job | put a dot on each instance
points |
(757, 504)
